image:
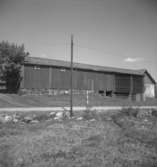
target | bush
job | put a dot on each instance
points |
(87, 115)
(5, 158)
(129, 112)
(154, 112)
(42, 117)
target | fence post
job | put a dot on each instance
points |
(87, 98)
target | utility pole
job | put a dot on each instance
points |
(71, 79)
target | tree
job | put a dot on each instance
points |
(11, 60)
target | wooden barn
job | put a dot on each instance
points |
(48, 74)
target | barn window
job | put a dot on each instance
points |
(36, 67)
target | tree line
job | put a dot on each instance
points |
(12, 57)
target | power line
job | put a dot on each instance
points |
(77, 45)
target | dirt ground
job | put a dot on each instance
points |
(124, 139)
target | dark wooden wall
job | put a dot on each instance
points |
(44, 77)
(59, 78)
(36, 77)
(122, 83)
(138, 84)
(91, 80)
(128, 84)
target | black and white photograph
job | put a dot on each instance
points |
(78, 83)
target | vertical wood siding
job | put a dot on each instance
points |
(122, 83)
(36, 77)
(93, 80)
(110, 82)
(138, 86)
(40, 77)
(60, 78)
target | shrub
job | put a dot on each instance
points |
(42, 117)
(5, 158)
(154, 112)
(129, 112)
(87, 115)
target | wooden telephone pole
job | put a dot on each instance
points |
(71, 79)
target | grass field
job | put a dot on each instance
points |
(12, 100)
(122, 139)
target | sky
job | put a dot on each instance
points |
(117, 33)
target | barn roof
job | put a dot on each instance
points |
(66, 64)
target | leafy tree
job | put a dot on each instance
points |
(11, 60)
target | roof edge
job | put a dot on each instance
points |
(150, 76)
(83, 66)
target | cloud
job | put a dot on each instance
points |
(43, 55)
(133, 60)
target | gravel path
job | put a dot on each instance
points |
(100, 108)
